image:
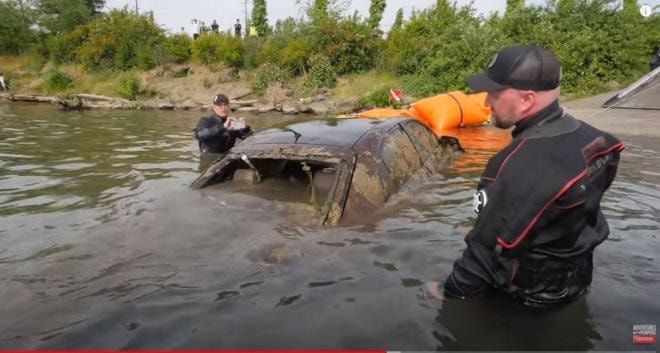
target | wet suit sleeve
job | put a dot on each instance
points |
(243, 133)
(208, 129)
(471, 273)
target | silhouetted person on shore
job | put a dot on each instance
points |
(238, 28)
(214, 27)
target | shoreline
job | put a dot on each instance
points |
(318, 105)
(618, 121)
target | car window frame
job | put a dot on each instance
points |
(407, 128)
(344, 159)
(410, 175)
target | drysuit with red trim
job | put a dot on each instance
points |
(539, 217)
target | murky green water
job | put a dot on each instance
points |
(103, 245)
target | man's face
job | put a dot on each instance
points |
(221, 109)
(507, 105)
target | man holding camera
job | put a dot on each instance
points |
(217, 133)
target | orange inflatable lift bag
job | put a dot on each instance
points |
(451, 110)
(445, 111)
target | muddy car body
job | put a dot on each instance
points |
(343, 168)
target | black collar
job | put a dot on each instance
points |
(549, 113)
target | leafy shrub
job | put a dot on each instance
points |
(63, 46)
(295, 55)
(321, 72)
(118, 40)
(290, 45)
(440, 47)
(379, 97)
(57, 81)
(131, 88)
(268, 74)
(210, 49)
(178, 48)
(596, 42)
(350, 44)
(251, 49)
(145, 58)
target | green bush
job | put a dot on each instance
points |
(349, 43)
(295, 55)
(321, 72)
(251, 49)
(214, 48)
(596, 42)
(119, 40)
(57, 81)
(379, 97)
(440, 47)
(63, 46)
(131, 88)
(178, 48)
(146, 59)
(268, 74)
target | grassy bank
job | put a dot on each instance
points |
(177, 83)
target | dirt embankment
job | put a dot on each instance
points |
(184, 87)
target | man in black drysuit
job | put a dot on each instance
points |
(538, 200)
(217, 133)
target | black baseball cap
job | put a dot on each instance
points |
(525, 67)
(220, 99)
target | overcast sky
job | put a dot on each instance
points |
(174, 14)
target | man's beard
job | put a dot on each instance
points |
(498, 122)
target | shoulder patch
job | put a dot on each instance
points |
(479, 201)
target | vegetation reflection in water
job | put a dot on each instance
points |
(103, 245)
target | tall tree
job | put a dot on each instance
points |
(318, 12)
(15, 33)
(376, 11)
(398, 21)
(259, 17)
(57, 16)
(514, 5)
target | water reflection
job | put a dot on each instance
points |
(103, 245)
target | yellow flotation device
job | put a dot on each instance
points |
(445, 111)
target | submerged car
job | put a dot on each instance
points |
(340, 169)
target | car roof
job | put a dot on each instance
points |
(328, 132)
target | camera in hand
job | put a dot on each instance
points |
(237, 125)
